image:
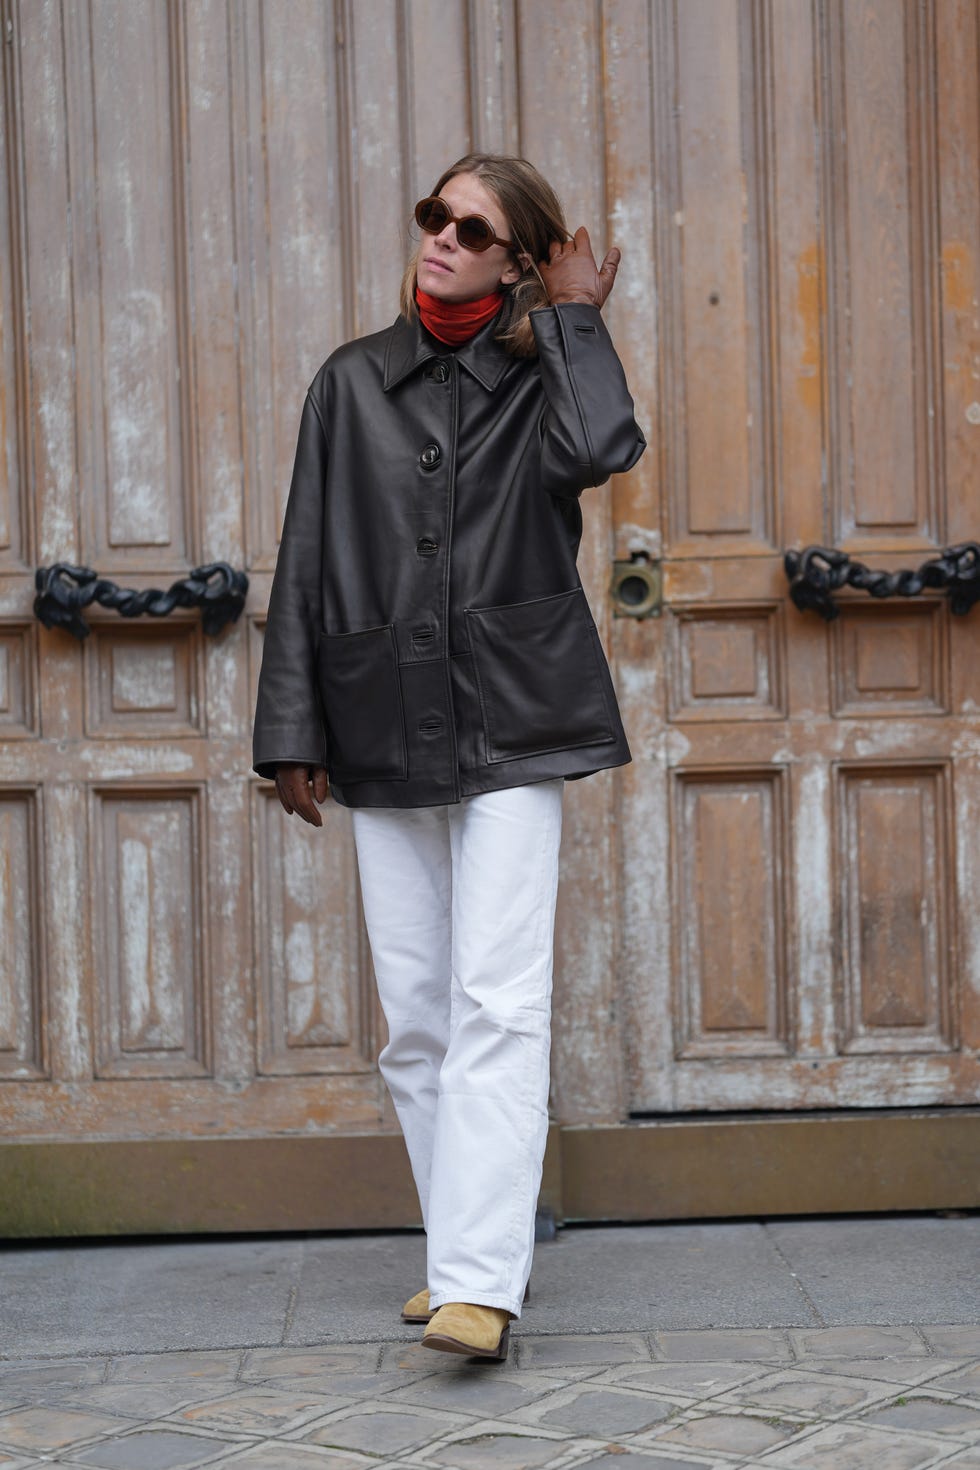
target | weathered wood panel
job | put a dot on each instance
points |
(146, 682)
(128, 191)
(824, 406)
(717, 64)
(149, 957)
(22, 1041)
(898, 941)
(315, 1010)
(731, 902)
(893, 661)
(882, 322)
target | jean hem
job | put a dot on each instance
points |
(477, 1299)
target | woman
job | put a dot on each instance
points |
(431, 661)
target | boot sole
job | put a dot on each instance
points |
(427, 1316)
(444, 1344)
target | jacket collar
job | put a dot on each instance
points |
(409, 348)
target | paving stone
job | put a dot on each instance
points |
(631, 1460)
(810, 1393)
(907, 1371)
(846, 1447)
(955, 1342)
(689, 1382)
(500, 1451)
(257, 1412)
(153, 1449)
(733, 1345)
(351, 1385)
(37, 1464)
(149, 1296)
(351, 1289)
(966, 1460)
(934, 1415)
(141, 1400)
(156, 1367)
(272, 1456)
(11, 1462)
(301, 1363)
(740, 1434)
(959, 1380)
(672, 1275)
(412, 1357)
(569, 1373)
(472, 1390)
(858, 1342)
(883, 1269)
(44, 1429)
(380, 1432)
(68, 1370)
(606, 1411)
(540, 1352)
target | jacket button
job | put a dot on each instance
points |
(439, 372)
(430, 456)
(426, 547)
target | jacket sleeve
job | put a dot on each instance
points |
(588, 431)
(288, 723)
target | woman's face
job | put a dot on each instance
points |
(449, 272)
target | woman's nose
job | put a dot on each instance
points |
(447, 236)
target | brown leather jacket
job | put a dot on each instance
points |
(428, 636)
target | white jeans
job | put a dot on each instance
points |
(459, 902)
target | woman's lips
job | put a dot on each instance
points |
(437, 264)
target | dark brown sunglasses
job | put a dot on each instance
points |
(472, 231)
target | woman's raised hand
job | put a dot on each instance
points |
(293, 789)
(570, 272)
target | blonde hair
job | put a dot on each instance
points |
(535, 217)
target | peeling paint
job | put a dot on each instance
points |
(108, 763)
(957, 276)
(632, 537)
(677, 747)
(814, 910)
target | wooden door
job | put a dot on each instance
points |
(798, 846)
(200, 200)
(179, 960)
(771, 908)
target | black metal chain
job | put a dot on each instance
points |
(217, 589)
(816, 573)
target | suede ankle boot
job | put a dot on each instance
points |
(417, 1308)
(474, 1331)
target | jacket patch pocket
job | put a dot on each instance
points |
(543, 679)
(362, 705)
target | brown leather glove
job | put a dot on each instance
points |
(293, 789)
(570, 272)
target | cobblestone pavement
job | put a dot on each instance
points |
(830, 1398)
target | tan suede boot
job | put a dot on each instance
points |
(417, 1308)
(474, 1331)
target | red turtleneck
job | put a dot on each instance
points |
(454, 322)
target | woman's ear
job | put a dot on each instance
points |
(513, 272)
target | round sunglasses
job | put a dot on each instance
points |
(472, 231)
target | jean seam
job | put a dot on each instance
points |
(523, 1202)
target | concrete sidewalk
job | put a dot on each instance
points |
(828, 1343)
